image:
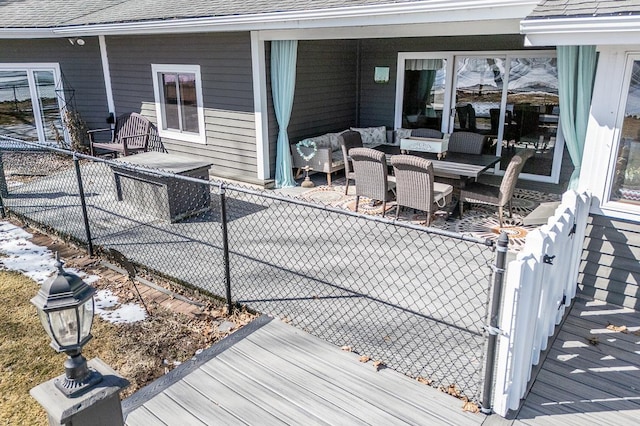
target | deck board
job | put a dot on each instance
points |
(277, 374)
(585, 383)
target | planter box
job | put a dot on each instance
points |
(433, 145)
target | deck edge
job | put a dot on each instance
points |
(159, 385)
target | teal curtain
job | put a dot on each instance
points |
(425, 84)
(284, 55)
(576, 71)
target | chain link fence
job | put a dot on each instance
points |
(414, 298)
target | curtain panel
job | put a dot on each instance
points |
(576, 72)
(284, 54)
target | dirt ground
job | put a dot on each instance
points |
(179, 324)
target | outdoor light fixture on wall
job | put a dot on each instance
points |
(65, 307)
(381, 74)
(78, 41)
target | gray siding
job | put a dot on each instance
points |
(80, 66)
(377, 101)
(227, 86)
(325, 98)
(610, 268)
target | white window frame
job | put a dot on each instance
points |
(609, 206)
(30, 68)
(447, 116)
(156, 70)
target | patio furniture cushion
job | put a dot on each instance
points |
(372, 135)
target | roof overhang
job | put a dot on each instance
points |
(600, 30)
(499, 17)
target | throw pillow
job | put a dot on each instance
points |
(372, 135)
(334, 139)
(322, 141)
(401, 134)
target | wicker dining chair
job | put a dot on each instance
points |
(466, 142)
(427, 133)
(415, 187)
(501, 196)
(371, 176)
(349, 139)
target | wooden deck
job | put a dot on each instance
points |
(591, 374)
(272, 373)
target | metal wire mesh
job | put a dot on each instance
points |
(412, 297)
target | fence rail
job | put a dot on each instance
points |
(540, 284)
(412, 297)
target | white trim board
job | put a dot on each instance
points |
(261, 116)
(106, 74)
(599, 30)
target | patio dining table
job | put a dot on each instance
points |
(455, 165)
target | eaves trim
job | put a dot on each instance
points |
(406, 13)
(581, 30)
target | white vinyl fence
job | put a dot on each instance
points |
(539, 284)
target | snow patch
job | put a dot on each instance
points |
(38, 263)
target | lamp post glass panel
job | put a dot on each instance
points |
(65, 307)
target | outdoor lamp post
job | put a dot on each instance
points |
(65, 308)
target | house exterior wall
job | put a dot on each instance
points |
(610, 268)
(80, 66)
(227, 89)
(325, 95)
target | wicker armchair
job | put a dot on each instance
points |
(496, 196)
(415, 187)
(466, 142)
(349, 139)
(370, 168)
(427, 133)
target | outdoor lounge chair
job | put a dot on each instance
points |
(415, 187)
(372, 180)
(349, 139)
(501, 196)
(130, 136)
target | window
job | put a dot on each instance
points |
(625, 186)
(510, 97)
(31, 99)
(178, 95)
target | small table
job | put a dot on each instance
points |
(165, 197)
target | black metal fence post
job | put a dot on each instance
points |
(3, 187)
(496, 298)
(225, 246)
(83, 203)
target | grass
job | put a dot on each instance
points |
(141, 352)
(26, 359)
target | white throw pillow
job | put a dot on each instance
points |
(372, 135)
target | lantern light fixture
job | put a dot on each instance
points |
(65, 306)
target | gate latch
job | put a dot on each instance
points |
(548, 259)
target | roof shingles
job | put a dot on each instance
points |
(580, 8)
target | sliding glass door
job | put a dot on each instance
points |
(511, 98)
(30, 105)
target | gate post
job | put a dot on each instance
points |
(493, 330)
